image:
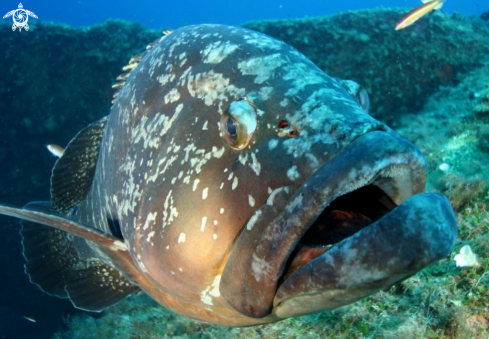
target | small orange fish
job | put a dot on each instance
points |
(427, 7)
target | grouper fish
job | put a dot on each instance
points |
(235, 183)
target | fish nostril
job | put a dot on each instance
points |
(285, 129)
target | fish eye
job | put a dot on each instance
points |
(239, 123)
(363, 99)
(358, 92)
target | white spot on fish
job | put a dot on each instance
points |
(118, 245)
(202, 225)
(272, 144)
(150, 235)
(181, 238)
(235, 183)
(292, 173)
(196, 182)
(253, 220)
(204, 193)
(211, 291)
(260, 267)
(255, 165)
(211, 86)
(263, 67)
(216, 52)
(265, 92)
(251, 200)
(204, 128)
(214, 236)
(217, 153)
(221, 211)
(150, 220)
(243, 158)
(172, 96)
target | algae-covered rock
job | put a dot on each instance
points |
(54, 80)
(452, 130)
(399, 69)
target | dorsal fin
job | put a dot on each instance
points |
(133, 63)
(73, 172)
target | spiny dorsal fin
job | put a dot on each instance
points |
(133, 63)
(73, 172)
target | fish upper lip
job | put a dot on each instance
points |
(369, 157)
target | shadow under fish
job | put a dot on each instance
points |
(237, 184)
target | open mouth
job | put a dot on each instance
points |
(344, 217)
(341, 236)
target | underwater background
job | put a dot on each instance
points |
(430, 82)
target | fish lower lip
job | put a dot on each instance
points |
(258, 260)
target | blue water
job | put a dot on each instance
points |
(176, 13)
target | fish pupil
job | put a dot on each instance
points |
(231, 127)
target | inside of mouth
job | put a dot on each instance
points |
(347, 215)
(344, 217)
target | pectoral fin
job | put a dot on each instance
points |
(67, 266)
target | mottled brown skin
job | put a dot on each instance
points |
(208, 228)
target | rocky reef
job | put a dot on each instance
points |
(54, 80)
(400, 69)
(429, 81)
